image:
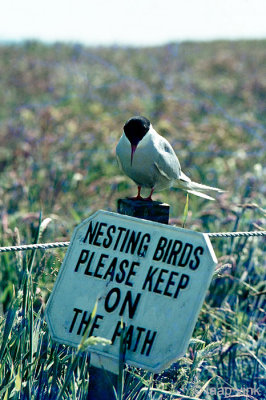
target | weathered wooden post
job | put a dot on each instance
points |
(149, 210)
(102, 382)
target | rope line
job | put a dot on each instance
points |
(45, 246)
(237, 234)
(42, 246)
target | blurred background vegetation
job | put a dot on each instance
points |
(62, 109)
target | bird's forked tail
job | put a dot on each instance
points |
(195, 188)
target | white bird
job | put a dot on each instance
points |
(150, 161)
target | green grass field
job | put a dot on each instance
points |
(62, 109)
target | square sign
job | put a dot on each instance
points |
(152, 276)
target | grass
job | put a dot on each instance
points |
(61, 113)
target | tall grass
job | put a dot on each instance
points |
(227, 348)
(61, 115)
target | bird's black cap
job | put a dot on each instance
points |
(136, 128)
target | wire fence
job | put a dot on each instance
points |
(45, 246)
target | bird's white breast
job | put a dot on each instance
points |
(145, 170)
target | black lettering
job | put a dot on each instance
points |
(99, 234)
(119, 236)
(129, 336)
(185, 255)
(159, 252)
(95, 324)
(120, 277)
(149, 277)
(82, 259)
(195, 265)
(77, 312)
(109, 305)
(87, 270)
(132, 306)
(131, 273)
(111, 269)
(174, 252)
(132, 242)
(140, 331)
(117, 331)
(143, 246)
(84, 322)
(148, 342)
(160, 280)
(108, 241)
(100, 265)
(170, 282)
(91, 232)
(125, 240)
(167, 250)
(184, 279)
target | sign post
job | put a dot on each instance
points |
(152, 276)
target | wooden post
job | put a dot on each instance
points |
(150, 210)
(102, 382)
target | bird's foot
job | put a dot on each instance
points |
(137, 198)
(149, 197)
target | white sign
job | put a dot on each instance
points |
(151, 275)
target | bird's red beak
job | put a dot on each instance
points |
(133, 149)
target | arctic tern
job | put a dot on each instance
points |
(150, 161)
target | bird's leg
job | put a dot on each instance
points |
(138, 197)
(149, 197)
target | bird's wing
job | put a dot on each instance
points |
(166, 161)
(119, 162)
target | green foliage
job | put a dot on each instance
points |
(61, 113)
(185, 213)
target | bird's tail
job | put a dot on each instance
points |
(196, 188)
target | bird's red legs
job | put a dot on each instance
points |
(149, 197)
(138, 197)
